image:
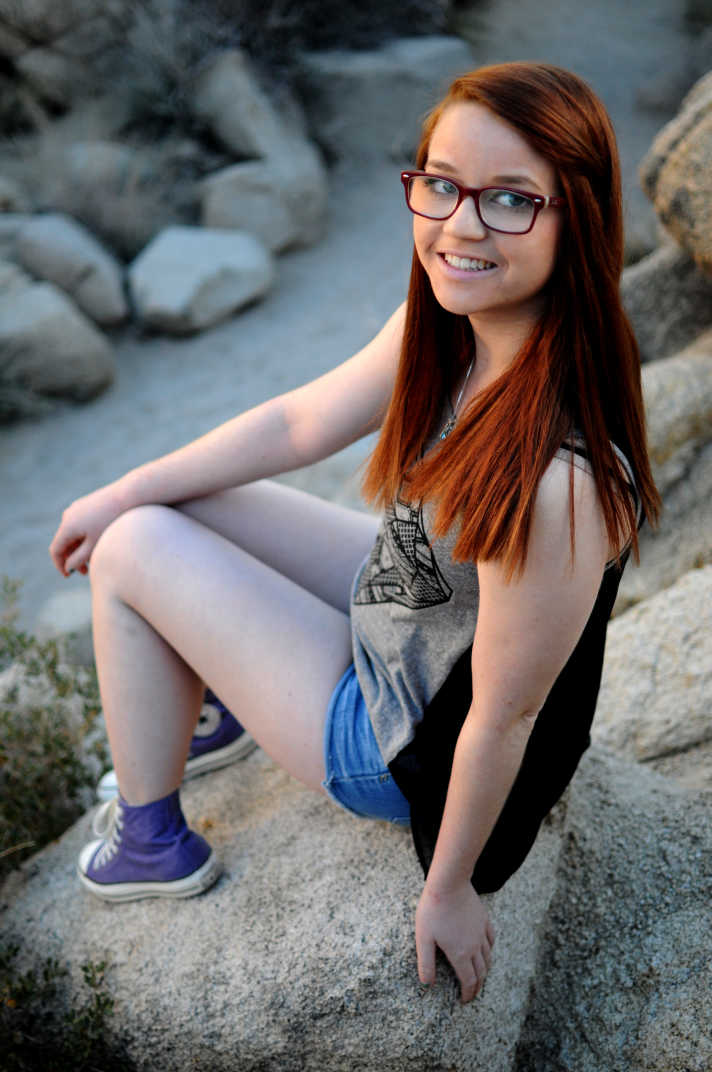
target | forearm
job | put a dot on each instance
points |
(486, 761)
(254, 445)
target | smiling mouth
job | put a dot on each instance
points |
(467, 264)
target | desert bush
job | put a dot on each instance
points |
(44, 1025)
(49, 756)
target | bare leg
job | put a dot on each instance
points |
(315, 543)
(175, 604)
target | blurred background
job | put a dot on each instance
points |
(123, 119)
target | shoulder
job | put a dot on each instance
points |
(568, 516)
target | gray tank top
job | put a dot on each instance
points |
(413, 614)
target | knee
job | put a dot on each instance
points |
(128, 541)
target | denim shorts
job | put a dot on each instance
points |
(356, 776)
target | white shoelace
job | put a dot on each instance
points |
(108, 823)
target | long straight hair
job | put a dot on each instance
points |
(579, 370)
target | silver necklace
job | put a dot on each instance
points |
(450, 422)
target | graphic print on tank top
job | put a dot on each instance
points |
(402, 567)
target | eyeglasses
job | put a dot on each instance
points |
(499, 208)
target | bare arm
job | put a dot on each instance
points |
(526, 631)
(285, 433)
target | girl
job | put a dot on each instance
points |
(441, 668)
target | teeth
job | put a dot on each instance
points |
(468, 263)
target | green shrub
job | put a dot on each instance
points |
(47, 708)
(43, 1028)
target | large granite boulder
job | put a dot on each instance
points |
(668, 299)
(47, 348)
(655, 703)
(59, 249)
(344, 94)
(189, 278)
(228, 99)
(624, 973)
(282, 200)
(675, 174)
(301, 959)
(678, 402)
(279, 191)
(11, 223)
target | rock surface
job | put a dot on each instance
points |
(189, 278)
(625, 971)
(668, 299)
(302, 958)
(344, 94)
(675, 174)
(281, 200)
(47, 347)
(281, 196)
(59, 249)
(228, 98)
(678, 401)
(655, 701)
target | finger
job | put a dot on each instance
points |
(480, 969)
(60, 549)
(469, 983)
(77, 559)
(487, 955)
(425, 950)
(489, 931)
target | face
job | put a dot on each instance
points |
(483, 274)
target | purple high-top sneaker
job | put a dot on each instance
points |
(219, 739)
(146, 851)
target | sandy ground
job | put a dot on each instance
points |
(327, 302)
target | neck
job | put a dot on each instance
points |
(497, 343)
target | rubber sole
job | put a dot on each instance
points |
(190, 886)
(108, 787)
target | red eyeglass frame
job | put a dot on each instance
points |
(539, 200)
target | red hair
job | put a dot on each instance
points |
(579, 369)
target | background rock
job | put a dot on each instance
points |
(59, 249)
(344, 94)
(656, 693)
(47, 347)
(624, 973)
(678, 402)
(189, 278)
(668, 299)
(12, 197)
(228, 99)
(282, 201)
(675, 174)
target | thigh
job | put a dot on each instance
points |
(317, 544)
(271, 650)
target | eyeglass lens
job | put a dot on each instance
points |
(504, 210)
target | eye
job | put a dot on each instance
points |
(441, 187)
(509, 199)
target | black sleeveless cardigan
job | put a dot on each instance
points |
(560, 736)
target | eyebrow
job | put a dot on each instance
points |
(525, 181)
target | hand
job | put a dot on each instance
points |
(82, 524)
(456, 922)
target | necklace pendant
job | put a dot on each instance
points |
(448, 427)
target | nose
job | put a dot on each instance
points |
(466, 221)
